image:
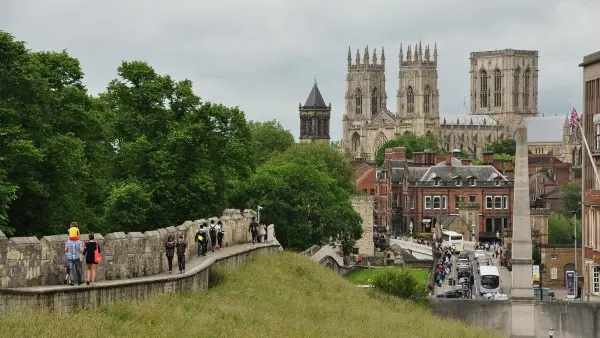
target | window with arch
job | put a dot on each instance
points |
(483, 87)
(374, 102)
(427, 100)
(516, 77)
(526, 83)
(497, 88)
(410, 100)
(355, 142)
(358, 102)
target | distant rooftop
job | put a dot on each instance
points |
(315, 100)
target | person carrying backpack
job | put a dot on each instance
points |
(213, 234)
(220, 234)
(170, 251)
(199, 238)
(253, 229)
(204, 233)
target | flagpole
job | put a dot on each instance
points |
(589, 153)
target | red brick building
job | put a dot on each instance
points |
(433, 188)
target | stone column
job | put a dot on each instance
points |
(522, 305)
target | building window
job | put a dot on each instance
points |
(472, 182)
(472, 199)
(437, 202)
(498, 202)
(358, 101)
(374, 102)
(497, 88)
(458, 200)
(428, 202)
(412, 202)
(597, 137)
(497, 182)
(505, 202)
(532, 197)
(516, 77)
(458, 183)
(489, 202)
(483, 76)
(596, 280)
(444, 202)
(554, 273)
(526, 82)
(426, 99)
(410, 100)
(436, 182)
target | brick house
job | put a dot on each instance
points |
(555, 169)
(428, 192)
(558, 259)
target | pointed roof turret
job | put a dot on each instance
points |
(315, 99)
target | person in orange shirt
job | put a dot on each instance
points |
(74, 232)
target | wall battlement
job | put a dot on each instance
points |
(29, 261)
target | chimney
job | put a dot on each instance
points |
(488, 157)
(448, 159)
(498, 165)
(418, 159)
(508, 165)
(429, 158)
(396, 153)
(465, 162)
(439, 157)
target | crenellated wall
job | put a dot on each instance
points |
(27, 261)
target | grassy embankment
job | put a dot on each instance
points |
(365, 276)
(276, 295)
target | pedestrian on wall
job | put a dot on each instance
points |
(74, 248)
(220, 235)
(199, 240)
(212, 231)
(170, 251)
(266, 232)
(262, 233)
(204, 232)
(91, 247)
(253, 229)
(67, 269)
(74, 231)
(181, 248)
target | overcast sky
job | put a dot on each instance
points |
(262, 55)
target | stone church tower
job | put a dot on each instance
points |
(504, 85)
(418, 96)
(314, 117)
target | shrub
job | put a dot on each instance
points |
(400, 283)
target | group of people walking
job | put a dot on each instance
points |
(74, 248)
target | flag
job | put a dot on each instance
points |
(574, 121)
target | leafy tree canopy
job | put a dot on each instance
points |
(306, 191)
(267, 138)
(412, 143)
(560, 229)
(572, 199)
(503, 147)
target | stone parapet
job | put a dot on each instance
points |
(28, 261)
(64, 298)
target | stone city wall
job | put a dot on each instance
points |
(64, 298)
(363, 205)
(568, 319)
(28, 261)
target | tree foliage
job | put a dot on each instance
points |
(306, 190)
(572, 199)
(560, 229)
(400, 283)
(411, 142)
(268, 138)
(508, 147)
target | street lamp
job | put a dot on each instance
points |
(473, 231)
(551, 333)
(411, 228)
(498, 235)
(259, 208)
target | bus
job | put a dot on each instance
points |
(489, 279)
(451, 238)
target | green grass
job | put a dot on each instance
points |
(365, 276)
(276, 295)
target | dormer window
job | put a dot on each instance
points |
(458, 182)
(497, 182)
(472, 181)
(436, 182)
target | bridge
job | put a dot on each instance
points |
(419, 251)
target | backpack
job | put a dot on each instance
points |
(213, 231)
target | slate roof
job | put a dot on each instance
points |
(476, 120)
(315, 100)
(543, 129)
(480, 172)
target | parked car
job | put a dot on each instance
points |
(480, 253)
(464, 255)
(547, 292)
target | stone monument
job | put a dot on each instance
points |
(523, 315)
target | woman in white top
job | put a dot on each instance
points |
(261, 234)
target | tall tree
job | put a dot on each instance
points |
(508, 147)
(267, 138)
(572, 199)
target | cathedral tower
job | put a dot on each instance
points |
(314, 117)
(365, 86)
(504, 85)
(418, 95)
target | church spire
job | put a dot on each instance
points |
(357, 57)
(382, 56)
(374, 56)
(401, 54)
(366, 56)
(349, 57)
(435, 53)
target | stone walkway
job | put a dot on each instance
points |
(192, 263)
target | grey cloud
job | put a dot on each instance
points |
(262, 55)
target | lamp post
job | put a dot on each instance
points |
(551, 333)
(473, 231)
(575, 288)
(411, 229)
(498, 235)
(259, 208)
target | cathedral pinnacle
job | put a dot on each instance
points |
(382, 56)
(357, 57)
(401, 54)
(435, 52)
(374, 56)
(349, 57)
(366, 56)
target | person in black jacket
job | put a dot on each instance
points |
(170, 251)
(253, 229)
(181, 248)
(213, 235)
(90, 258)
(199, 240)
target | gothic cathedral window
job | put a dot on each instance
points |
(516, 77)
(526, 81)
(355, 142)
(410, 100)
(497, 88)
(374, 102)
(427, 100)
(483, 76)
(358, 101)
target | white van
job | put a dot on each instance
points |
(489, 280)
(453, 239)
